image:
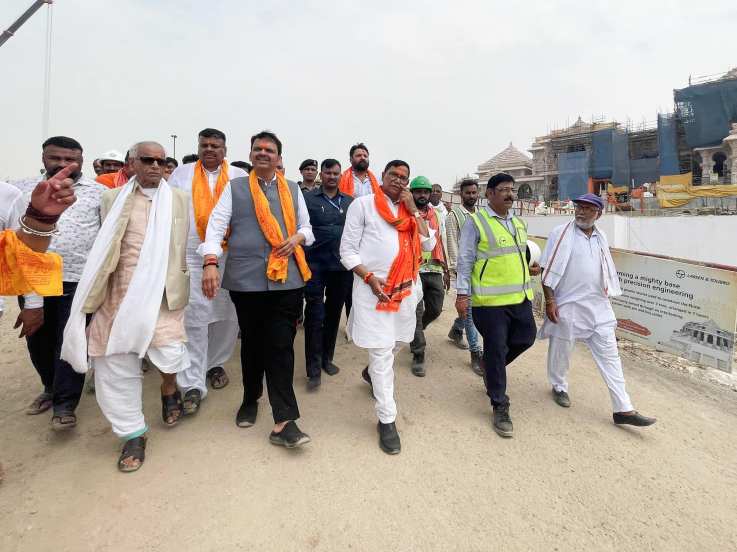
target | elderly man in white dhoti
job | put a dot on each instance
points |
(578, 278)
(212, 325)
(136, 285)
(382, 243)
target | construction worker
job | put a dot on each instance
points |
(493, 273)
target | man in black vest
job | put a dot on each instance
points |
(265, 272)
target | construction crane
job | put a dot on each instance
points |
(10, 31)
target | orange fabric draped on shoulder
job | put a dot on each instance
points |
(406, 264)
(23, 270)
(277, 267)
(203, 199)
(345, 184)
(113, 180)
(431, 216)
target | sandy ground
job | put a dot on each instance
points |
(568, 480)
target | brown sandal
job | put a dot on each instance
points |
(40, 404)
(217, 377)
(171, 407)
(136, 449)
(62, 422)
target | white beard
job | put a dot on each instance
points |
(585, 225)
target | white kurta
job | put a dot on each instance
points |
(202, 311)
(582, 303)
(371, 241)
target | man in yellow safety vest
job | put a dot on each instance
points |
(493, 273)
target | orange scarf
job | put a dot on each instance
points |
(277, 267)
(432, 221)
(203, 200)
(113, 180)
(345, 184)
(406, 264)
(23, 270)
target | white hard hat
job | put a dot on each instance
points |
(112, 155)
(535, 252)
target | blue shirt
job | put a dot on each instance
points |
(327, 216)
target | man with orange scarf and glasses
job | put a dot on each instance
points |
(265, 273)
(382, 243)
(212, 326)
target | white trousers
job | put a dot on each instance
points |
(209, 346)
(603, 346)
(119, 385)
(381, 370)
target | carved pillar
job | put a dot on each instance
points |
(730, 145)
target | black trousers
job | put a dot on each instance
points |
(433, 291)
(325, 294)
(44, 346)
(507, 332)
(268, 323)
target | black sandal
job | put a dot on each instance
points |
(62, 422)
(192, 400)
(136, 449)
(217, 377)
(171, 407)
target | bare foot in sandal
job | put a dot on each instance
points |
(40, 404)
(62, 422)
(133, 454)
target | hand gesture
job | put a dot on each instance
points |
(462, 302)
(405, 196)
(377, 287)
(551, 311)
(210, 281)
(54, 195)
(535, 269)
(288, 246)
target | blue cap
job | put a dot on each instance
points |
(593, 199)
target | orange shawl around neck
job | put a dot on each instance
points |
(431, 216)
(345, 184)
(277, 267)
(23, 270)
(406, 264)
(203, 199)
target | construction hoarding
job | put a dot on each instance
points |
(681, 307)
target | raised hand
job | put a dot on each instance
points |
(54, 195)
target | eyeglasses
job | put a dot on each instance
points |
(585, 207)
(395, 176)
(151, 160)
(505, 190)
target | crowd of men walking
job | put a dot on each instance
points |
(165, 264)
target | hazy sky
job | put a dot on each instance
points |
(443, 85)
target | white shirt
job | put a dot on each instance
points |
(371, 241)
(362, 187)
(202, 311)
(223, 211)
(582, 303)
(78, 225)
(12, 207)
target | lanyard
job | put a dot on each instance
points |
(338, 207)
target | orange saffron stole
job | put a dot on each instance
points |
(23, 270)
(277, 267)
(345, 184)
(406, 264)
(203, 200)
(431, 217)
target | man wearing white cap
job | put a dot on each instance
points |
(578, 278)
(116, 169)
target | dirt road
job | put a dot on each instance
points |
(568, 480)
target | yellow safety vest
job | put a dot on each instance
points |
(500, 274)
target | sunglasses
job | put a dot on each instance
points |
(151, 160)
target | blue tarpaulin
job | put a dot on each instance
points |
(573, 176)
(667, 145)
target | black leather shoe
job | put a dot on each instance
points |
(477, 363)
(418, 365)
(331, 369)
(502, 421)
(561, 398)
(389, 438)
(291, 436)
(367, 379)
(635, 419)
(246, 415)
(313, 382)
